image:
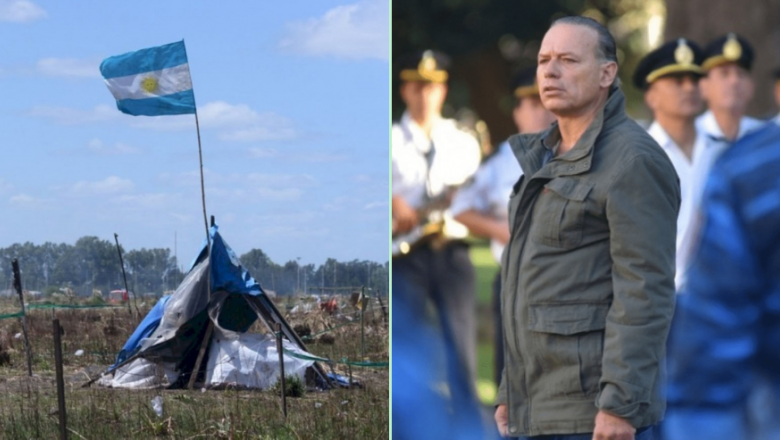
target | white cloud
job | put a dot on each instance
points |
(22, 199)
(278, 194)
(20, 11)
(316, 157)
(376, 205)
(263, 153)
(237, 187)
(232, 122)
(69, 67)
(150, 200)
(283, 180)
(241, 123)
(72, 116)
(109, 185)
(96, 146)
(355, 31)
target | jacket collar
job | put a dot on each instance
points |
(531, 148)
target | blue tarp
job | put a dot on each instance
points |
(228, 275)
(144, 329)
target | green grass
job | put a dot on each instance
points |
(486, 268)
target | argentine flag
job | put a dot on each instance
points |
(151, 82)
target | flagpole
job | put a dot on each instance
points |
(202, 184)
(203, 187)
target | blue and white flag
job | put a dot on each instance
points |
(151, 82)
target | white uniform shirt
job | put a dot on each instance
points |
(707, 124)
(456, 158)
(693, 175)
(489, 192)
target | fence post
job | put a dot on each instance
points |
(60, 382)
(280, 349)
(18, 287)
(363, 303)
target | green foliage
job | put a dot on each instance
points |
(293, 387)
(92, 263)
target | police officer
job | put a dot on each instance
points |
(431, 156)
(727, 88)
(482, 206)
(669, 77)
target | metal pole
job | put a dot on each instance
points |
(18, 287)
(280, 349)
(60, 382)
(124, 275)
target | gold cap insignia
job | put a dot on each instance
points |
(732, 50)
(683, 54)
(427, 63)
(427, 70)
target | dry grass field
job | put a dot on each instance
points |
(28, 408)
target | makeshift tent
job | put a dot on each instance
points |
(163, 350)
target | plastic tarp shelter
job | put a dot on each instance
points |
(163, 349)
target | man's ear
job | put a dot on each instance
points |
(608, 74)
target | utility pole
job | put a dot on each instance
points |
(298, 286)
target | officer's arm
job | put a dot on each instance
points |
(642, 207)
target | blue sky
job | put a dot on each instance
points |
(293, 104)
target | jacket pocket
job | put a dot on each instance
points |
(568, 341)
(560, 213)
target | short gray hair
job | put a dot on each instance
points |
(607, 49)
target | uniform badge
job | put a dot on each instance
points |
(683, 54)
(732, 50)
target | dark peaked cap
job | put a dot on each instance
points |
(674, 57)
(730, 48)
(524, 83)
(429, 66)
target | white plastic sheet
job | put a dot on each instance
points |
(140, 374)
(250, 360)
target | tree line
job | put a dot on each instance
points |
(93, 264)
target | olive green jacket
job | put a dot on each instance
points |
(588, 278)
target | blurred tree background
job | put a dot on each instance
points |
(489, 40)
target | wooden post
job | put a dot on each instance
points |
(18, 287)
(363, 303)
(60, 382)
(280, 349)
(124, 276)
(382, 305)
(349, 366)
(202, 352)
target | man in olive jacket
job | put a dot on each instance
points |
(588, 274)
